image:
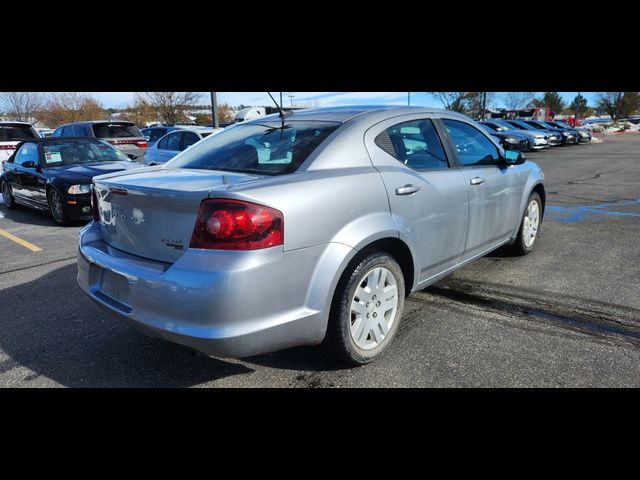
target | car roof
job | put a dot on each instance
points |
(346, 113)
(94, 122)
(14, 122)
(58, 139)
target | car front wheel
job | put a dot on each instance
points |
(529, 226)
(367, 309)
(57, 208)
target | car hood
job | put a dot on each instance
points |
(83, 173)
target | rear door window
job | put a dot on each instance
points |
(81, 131)
(173, 141)
(188, 139)
(415, 143)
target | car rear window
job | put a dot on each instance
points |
(267, 148)
(10, 133)
(116, 130)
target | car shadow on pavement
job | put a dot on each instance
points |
(53, 329)
(28, 216)
(306, 359)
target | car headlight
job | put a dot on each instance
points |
(79, 189)
(511, 140)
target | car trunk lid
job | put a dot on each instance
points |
(152, 213)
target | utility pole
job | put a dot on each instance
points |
(484, 105)
(214, 109)
(575, 116)
(409, 98)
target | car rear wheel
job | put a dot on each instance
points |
(57, 208)
(529, 226)
(367, 309)
(7, 197)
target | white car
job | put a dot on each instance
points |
(175, 142)
(11, 134)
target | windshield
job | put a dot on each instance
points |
(75, 152)
(9, 133)
(116, 130)
(262, 148)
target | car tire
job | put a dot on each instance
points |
(7, 196)
(56, 207)
(367, 309)
(529, 226)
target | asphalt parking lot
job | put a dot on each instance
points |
(567, 315)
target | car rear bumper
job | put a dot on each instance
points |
(222, 303)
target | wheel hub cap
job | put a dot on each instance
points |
(373, 308)
(531, 223)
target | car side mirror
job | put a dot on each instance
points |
(29, 164)
(513, 157)
(132, 156)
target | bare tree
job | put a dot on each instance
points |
(69, 107)
(171, 106)
(456, 101)
(21, 106)
(517, 100)
(618, 104)
(141, 113)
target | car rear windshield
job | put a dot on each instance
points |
(116, 130)
(264, 148)
(75, 152)
(10, 133)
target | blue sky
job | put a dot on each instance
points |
(321, 99)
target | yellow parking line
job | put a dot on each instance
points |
(19, 241)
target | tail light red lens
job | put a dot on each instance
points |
(94, 205)
(141, 144)
(7, 147)
(237, 225)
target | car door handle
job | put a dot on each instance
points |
(407, 190)
(477, 181)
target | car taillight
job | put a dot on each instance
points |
(237, 225)
(7, 147)
(94, 205)
(141, 144)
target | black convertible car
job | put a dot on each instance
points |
(55, 174)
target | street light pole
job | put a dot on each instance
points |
(291, 99)
(409, 98)
(575, 116)
(280, 99)
(214, 110)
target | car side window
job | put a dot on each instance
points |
(189, 139)
(155, 133)
(57, 132)
(27, 153)
(67, 131)
(473, 147)
(173, 141)
(162, 144)
(416, 144)
(80, 131)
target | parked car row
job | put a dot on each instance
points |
(530, 135)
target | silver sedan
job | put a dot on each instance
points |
(306, 229)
